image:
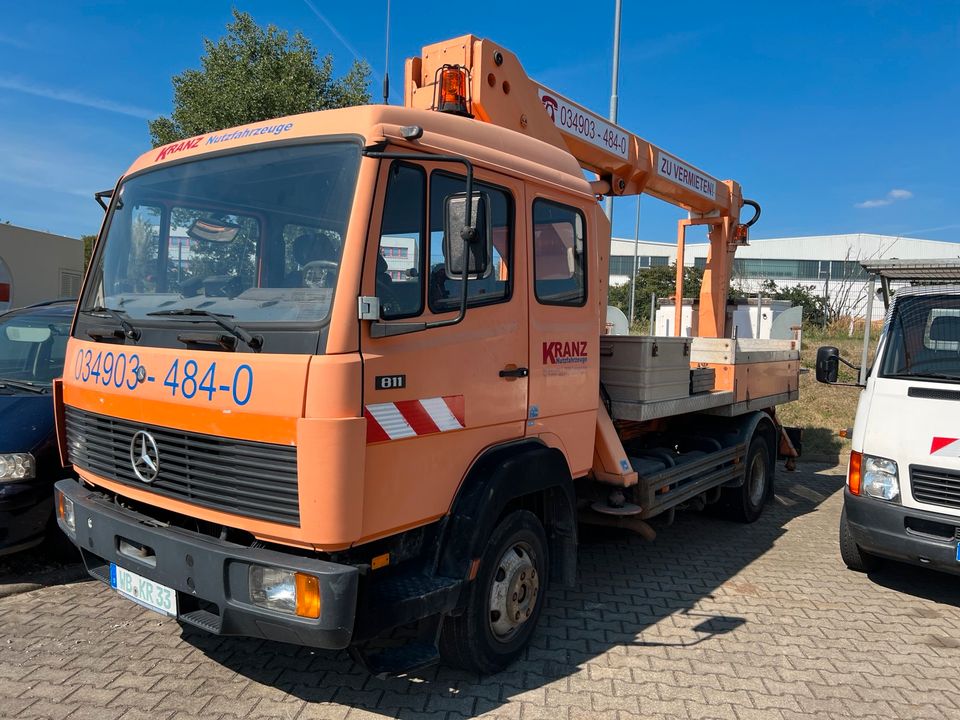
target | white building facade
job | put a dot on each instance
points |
(827, 264)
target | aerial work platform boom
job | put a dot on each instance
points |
(479, 78)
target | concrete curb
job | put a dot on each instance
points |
(29, 583)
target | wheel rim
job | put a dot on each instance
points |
(514, 590)
(756, 480)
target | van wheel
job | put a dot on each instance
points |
(853, 556)
(504, 601)
(745, 503)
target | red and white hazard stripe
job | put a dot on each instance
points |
(411, 418)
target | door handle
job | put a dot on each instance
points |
(515, 373)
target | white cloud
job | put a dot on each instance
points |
(75, 98)
(14, 42)
(333, 29)
(890, 198)
(900, 194)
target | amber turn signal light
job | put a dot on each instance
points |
(853, 473)
(308, 595)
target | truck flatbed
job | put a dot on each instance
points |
(643, 411)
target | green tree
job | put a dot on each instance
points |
(88, 242)
(815, 308)
(661, 280)
(255, 74)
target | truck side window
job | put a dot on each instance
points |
(444, 292)
(559, 254)
(399, 264)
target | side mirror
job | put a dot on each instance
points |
(479, 249)
(828, 364)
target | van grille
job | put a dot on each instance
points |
(936, 487)
(252, 479)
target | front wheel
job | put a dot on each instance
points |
(852, 555)
(504, 601)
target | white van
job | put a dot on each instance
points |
(902, 497)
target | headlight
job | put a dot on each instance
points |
(880, 479)
(17, 466)
(65, 511)
(285, 591)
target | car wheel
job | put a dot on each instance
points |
(854, 557)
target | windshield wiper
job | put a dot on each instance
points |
(254, 342)
(21, 385)
(129, 331)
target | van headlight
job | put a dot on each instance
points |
(880, 478)
(17, 466)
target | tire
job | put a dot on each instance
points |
(745, 503)
(853, 556)
(512, 580)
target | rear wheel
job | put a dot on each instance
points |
(745, 503)
(504, 601)
(853, 556)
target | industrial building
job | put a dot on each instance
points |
(829, 264)
(37, 266)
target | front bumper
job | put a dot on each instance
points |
(209, 575)
(25, 512)
(890, 530)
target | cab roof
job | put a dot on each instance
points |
(485, 144)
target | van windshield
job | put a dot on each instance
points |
(32, 346)
(256, 236)
(923, 337)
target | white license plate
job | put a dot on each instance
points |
(144, 591)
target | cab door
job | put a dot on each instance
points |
(434, 399)
(564, 327)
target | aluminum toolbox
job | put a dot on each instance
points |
(643, 369)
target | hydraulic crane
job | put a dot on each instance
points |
(479, 78)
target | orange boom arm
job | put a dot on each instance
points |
(477, 77)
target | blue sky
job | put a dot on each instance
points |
(836, 116)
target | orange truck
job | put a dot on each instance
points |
(347, 371)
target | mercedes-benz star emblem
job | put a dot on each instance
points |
(144, 456)
(141, 374)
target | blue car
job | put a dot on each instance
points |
(33, 343)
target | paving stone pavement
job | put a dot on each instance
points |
(712, 620)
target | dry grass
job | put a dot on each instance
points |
(823, 410)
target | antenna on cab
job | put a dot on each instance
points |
(386, 61)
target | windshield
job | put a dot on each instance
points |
(256, 236)
(923, 337)
(32, 347)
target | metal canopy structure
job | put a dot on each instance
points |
(915, 271)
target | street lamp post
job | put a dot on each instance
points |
(614, 99)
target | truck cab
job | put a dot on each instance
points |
(902, 496)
